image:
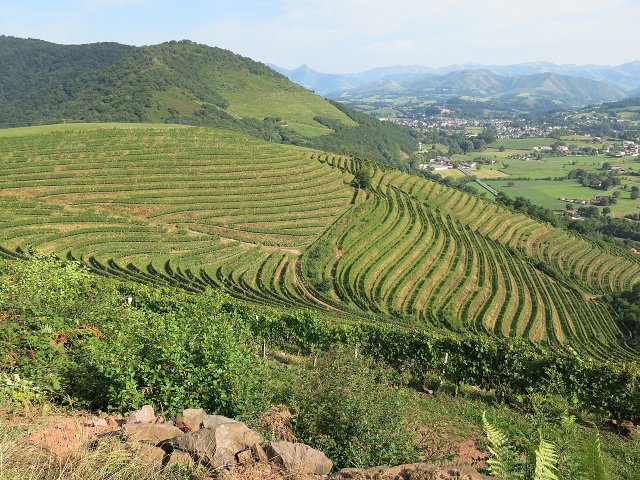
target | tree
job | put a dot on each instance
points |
(466, 145)
(501, 148)
(362, 178)
(635, 192)
(606, 211)
(606, 166)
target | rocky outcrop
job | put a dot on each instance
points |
(229, 449)
(218, 446)
(298, 458)
(191, 420)
(143, 415)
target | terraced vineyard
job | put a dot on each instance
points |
(283, 226)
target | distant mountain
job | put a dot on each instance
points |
(180, 82)
(324, 83)
(395, 73)
(318, 82)
(537, 92)
(625, 77)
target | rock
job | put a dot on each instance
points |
(112, 421)
(244, 456)
(298, 458)
(150, 457)
(190, 420)
(217, 447)
(259, 454)
(413, 471)
(143, 415)
(212, 421)
(151, 432)
(627, 428)
(97, 422)
(180, 458)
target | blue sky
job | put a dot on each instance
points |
(350, 35)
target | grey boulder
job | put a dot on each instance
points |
(299, 458)
(217, 446)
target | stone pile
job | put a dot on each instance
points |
(216, 442)
(228, 449)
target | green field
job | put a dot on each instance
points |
(74, 127)
(260, 96)
(283, 226)
(538, 188)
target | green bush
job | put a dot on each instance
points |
(197, 357)
(348, 408)
(79, 341)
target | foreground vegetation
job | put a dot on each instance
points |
(71, 337)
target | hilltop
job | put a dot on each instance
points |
(179, 83)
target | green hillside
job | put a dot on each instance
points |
(178, 83)
(283, 226)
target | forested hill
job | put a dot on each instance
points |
(179, 82)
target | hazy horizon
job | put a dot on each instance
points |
(365, 34)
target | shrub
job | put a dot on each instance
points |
(197, 357)
(349, 409)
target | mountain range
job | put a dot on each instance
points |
(625, 77)
(523, 87)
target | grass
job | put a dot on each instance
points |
(547, 194)
(77, 127)
(447, 422)
(258, 96)
(109, 460)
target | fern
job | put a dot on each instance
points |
(502, 458)
(593, 461)
(546, 460)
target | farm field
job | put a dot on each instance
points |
(283, 226)
(74, 127)
(548, 192)
(536, 179)
(549, 166)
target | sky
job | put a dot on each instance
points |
(343, 36)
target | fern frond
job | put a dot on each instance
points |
(502, 457)
(546, 460)
(592, 464)
(495, 436)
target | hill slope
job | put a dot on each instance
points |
(283, 226)
(174, 82)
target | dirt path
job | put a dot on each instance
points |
(297, 278)
(295, 251)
